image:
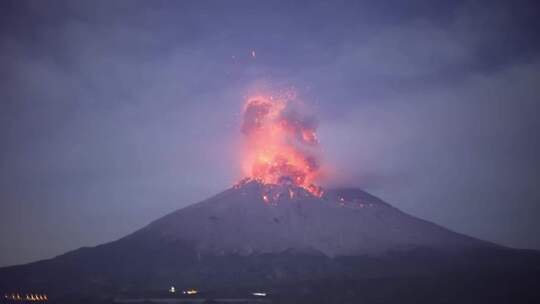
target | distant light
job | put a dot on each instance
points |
(259, 294)
(190, 291)
(172, 289)
(253, 54)
(26, 297)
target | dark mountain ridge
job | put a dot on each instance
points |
(273, 237)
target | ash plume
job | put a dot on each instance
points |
(282, 143)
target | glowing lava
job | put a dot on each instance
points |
(281, 145)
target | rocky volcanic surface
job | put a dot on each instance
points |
(254, 218)
(284, 240)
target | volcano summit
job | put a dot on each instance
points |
(255, 218)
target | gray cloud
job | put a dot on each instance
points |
(113, 114)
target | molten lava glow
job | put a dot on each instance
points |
(280, 144)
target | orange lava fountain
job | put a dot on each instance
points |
(280, 144)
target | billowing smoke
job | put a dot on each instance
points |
(281, 144)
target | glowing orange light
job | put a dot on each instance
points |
(190, 291)
(280, 144)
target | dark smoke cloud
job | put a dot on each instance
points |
(254, 116)
(304, 128)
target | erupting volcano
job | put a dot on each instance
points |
(281, 144)
(276, 232)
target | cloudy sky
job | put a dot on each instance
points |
(113, 114)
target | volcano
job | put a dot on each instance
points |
(343, 245)
(254, 218)
(280, 234)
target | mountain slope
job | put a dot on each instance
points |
(342, 222)
(269, 236)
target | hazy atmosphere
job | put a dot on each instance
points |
(113, 114)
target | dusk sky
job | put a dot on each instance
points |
(115, 113)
